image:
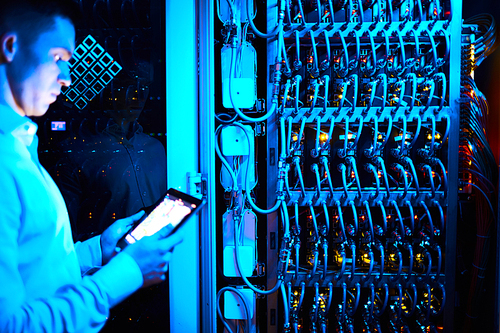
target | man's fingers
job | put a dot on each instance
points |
(165, 231)
(167, 259)
(175, 239)
(137, 216)
(125, 224)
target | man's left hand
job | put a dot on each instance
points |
(113, 233)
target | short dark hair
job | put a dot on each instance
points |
(30, 17)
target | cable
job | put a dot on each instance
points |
(402, 172)
(324, 161)
(327, 48)
(247, 179)
(302, 14)
(447, 131)
(236, 109)
(412, 216)
(417, 131)
(301, 131)
(370, 222)
(400, 301)
(402, 64)
(441, 308)
(289, 136)
(243, 300)
(342, 97)
(354, 80)
(352, 311)
(374, 55)
(342, 267)
(461, 182)
(400, 267)
(427, 168)
(315, 70)
(326, 79)
(315, 169)
(223, 160)
(373, 88)
(342, 153)
(441, 214)
(370, 269)
(341, 220)
(420, 13)
(286, 306)
(371, 302)
(429, 217)
(410, 265)
(380, 163)
(276, 30)
(403, 135)
(315, 223)
(250, 285)
(296, 161)
(358, 134)
(325, 258)
(330, 296)
(342, 168)
(433, 47)
(370, 168)
(297, 64)
(440, 77)
(401, 86)
(413, 79)
(344, 72)
(297, 257)
(315, 264)
(315, 153)
(387, 134)
(355, 215)
(288, 71)
(382, 260)
(344, 301)
(361, 14)
(439, 255)
(383, 78)
(352, 163)
(400, 218)
(316, 302)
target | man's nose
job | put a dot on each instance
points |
(64, 78)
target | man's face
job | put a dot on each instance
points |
(39, 69)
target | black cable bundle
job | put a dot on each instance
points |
(476, 160)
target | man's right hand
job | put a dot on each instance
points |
(153, 254)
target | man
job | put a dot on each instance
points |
(108, 170)
(41, 287)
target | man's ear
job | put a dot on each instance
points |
(8, 47)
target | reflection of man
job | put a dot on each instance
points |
(41, 287)
(112, 173)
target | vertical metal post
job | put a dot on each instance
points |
(207, 166)
(453, 143)
(182, 151)
(272, 172)
(497, 272)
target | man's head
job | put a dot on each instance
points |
(36, 41)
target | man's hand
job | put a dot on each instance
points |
(113, 233)
(153, 253)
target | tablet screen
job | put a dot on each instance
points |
(170, 211)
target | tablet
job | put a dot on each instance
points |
(172, 211)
